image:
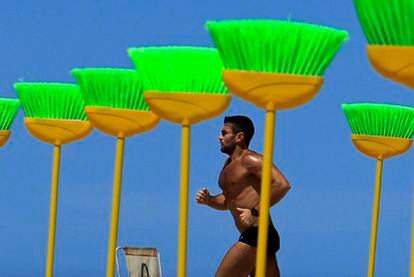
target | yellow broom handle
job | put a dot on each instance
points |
(265, 195)
(184, 176)
(412, 247)
(116, 196)
(375, 216)
(53, 211)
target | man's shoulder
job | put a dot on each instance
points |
(251, 158)
(252, 154)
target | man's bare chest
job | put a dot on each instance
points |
(233, 177)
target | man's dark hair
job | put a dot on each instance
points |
(241, 123)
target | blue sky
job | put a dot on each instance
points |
(325, 219)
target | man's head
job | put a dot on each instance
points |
(238, 130)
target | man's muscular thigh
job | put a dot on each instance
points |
(238, 261)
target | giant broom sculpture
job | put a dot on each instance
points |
(115, 105)
(389, 28)
(182, 85)
(8, 111)
(275, 65)
(379, 131)
(54, 113)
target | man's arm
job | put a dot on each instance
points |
(279, 184)
(217, 202)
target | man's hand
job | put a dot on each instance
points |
(203, 197)
(247, 218)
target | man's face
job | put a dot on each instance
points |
(227, 139)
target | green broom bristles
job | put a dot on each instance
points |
(276, 46)
(380, 119)
(8, 111)
(180, 69)
(387, 22)
(51, 100)
(111, 87)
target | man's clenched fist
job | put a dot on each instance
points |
(203, 197)
(247, 218)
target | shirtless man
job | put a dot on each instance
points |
(240, 180)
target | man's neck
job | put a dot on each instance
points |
(237, 153)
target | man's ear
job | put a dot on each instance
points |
(240, 137)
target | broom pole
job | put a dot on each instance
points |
(116, 197)
(265, 194)
(184, 181)
(412, 247)
(375, 217)
(53, 211)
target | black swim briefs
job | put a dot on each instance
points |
(273, 241)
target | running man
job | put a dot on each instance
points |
(240, 180)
